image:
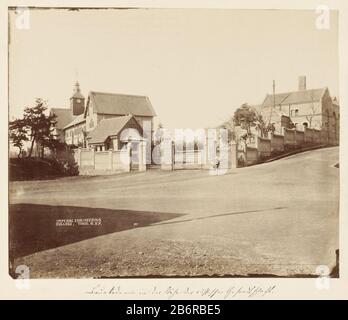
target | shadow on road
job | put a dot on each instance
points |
(222, 215)
(33, 228)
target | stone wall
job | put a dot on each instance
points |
(277, 143)
(252, 156)
(264, 147)
(92, 162)
(242, 153)
(299, 136)
(291, 139)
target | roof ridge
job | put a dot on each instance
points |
(121, 104)
(119, 94)
(289, 92)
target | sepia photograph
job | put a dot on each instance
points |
(173, 143)
(149, 143)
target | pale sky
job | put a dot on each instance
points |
(196, 65)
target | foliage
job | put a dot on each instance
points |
(231, 128)
(247, 117)
(36, 127)
(311, 116)
(18, 134)
(263, 127)
(41, 169)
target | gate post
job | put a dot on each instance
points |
(129, 154)
(233, 161)
(210, 149)
(167, 161)
(142, 155)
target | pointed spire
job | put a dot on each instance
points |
(77, 87)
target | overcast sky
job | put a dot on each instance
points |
(196, 65)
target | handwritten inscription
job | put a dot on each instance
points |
(172, 292)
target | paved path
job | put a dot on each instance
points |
(277, 218)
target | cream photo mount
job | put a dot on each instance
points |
(107, 157)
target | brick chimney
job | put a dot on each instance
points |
(302, 83)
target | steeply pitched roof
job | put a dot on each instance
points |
(303, 96)
(64, 116)
(122, 104)
(76, 120)
(108, 127)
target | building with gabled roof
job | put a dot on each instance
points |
(88, 124)
(294, 97)
(312, 108)
(114, 133)
(120, 104)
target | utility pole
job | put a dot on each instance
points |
(273, 93)
(273, 105)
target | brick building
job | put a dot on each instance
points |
(98, 123)
(312, 108)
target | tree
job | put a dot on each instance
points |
(55, 145)
(35, 127)
(231, 129)
(262, 126)
(39, 126)
(310, 116)
(18, 134)
(245, 117)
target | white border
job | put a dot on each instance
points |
(75, 289)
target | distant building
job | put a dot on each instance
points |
(312, 108)
(100, 122)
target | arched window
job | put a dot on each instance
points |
(305, 124)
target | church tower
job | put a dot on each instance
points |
(77, 101)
